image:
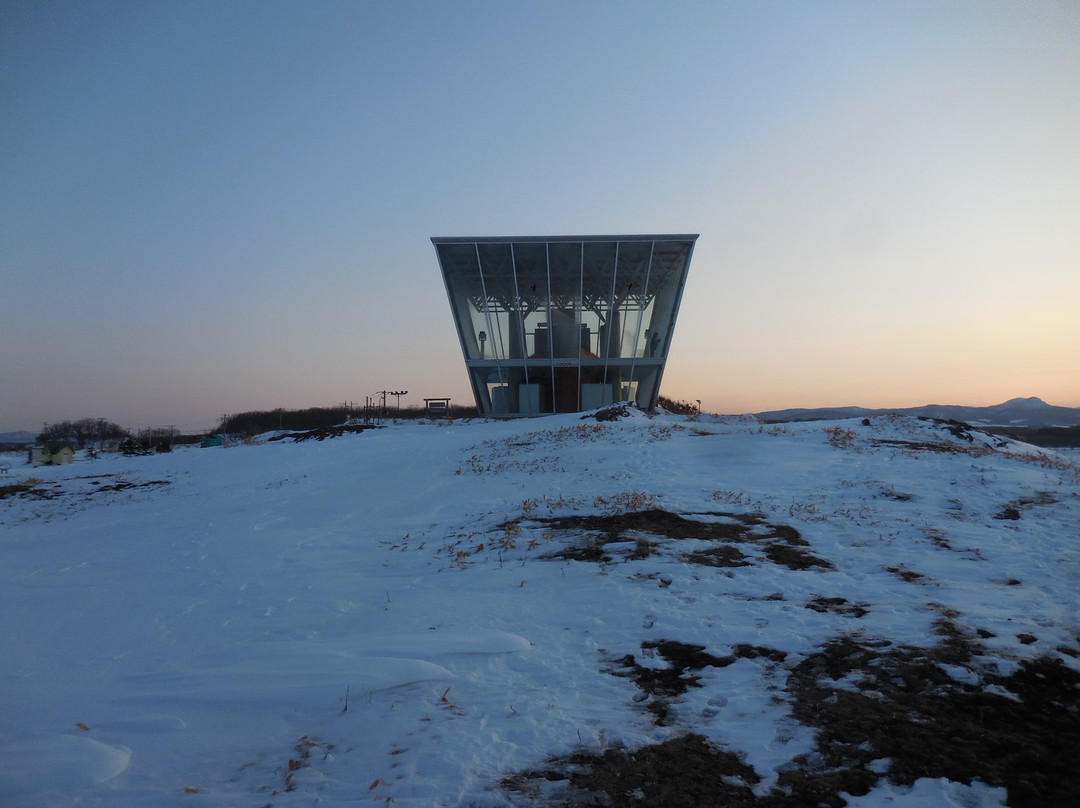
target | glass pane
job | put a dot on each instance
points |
(597, 286)
(530, 269)
(665, 279)
(630, 278)
(504, 339)
(466, 295)
(564, 260)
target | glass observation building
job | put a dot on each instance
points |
(564, 323)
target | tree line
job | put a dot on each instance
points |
(256, 422)
(86, 431)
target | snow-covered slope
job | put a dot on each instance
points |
(493, 613)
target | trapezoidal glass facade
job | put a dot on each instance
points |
(564, 323)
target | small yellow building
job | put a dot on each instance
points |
(54, 453)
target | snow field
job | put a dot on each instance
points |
(209, 630)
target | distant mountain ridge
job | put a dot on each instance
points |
(17, 437)
(1016, 412)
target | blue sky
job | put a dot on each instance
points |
(214, 207)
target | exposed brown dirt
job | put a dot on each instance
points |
(38, 489)
(904, 718)
(646, 530)
(684, 771)
(30, 490)
(907, 709)
(838, 606)
(124, 485)
(879, 711)
(1015, 510)
(660, 686)
(323, 433)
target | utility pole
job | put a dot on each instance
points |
(396, 393)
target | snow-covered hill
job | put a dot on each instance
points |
(659, 610)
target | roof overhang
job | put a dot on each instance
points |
(545, 239)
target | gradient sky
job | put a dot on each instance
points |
(214, 207)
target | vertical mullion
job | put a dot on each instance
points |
(491, 331)
(551, 325)
(520, 315)
(580, 306)
(611, 308)
(641, 310)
